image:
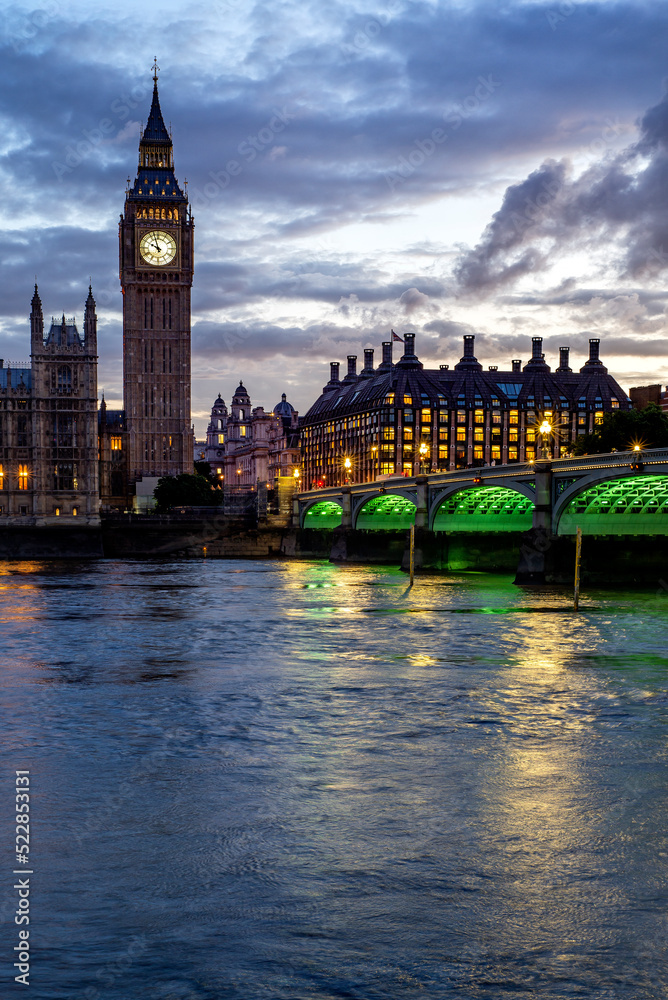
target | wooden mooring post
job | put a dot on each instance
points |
(578, 560)
(412, 555)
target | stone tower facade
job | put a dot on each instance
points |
(48, 425)
(156, 272)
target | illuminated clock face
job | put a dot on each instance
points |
(157, 247)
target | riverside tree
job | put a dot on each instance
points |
(623, 429)
(186, 490)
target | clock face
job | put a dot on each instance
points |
(157, 247)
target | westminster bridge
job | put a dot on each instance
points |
(623, 493)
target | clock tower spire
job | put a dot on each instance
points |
(156, 272)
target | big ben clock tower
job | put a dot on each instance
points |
(156, 272)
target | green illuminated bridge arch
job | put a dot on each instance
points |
(615, 494)
(484, 508)
(632, 505)
(390, 512)
(324, 514)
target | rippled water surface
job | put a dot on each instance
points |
(270, 781)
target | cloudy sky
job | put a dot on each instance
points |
(491, 167)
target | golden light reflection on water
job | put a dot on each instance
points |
(422, 660)
(22, 568)
(537, 789)
(28, 597)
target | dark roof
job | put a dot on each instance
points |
(13, 377)
(114, 419)
(467, 385)
(155, 130)
(152, 181)
(71, 338)
(284, 409)
(241, 390)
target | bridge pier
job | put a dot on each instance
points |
(346, 507)
(422, 511)
(534, 562)
(542, 512)
(600, 490)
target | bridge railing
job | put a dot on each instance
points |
(518, 471)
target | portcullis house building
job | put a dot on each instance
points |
(402, 418)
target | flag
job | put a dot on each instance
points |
(395, 336)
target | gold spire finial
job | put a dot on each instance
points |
(156, 69)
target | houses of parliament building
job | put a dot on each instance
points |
(59, 456)
(62, 458)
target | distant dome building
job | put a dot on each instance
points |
(284, 409)
(215, 433)
(286, 453)
(249, 445)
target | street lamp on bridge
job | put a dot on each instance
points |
(545, 431)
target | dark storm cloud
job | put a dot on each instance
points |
(305, 278)
(569, 293)
(450, 332)
(502, 255)
(260, 341)
(312, 127)
(621, 196)
(344, 113)
(62, 259)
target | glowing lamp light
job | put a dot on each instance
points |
(423, 449)
(545, 427)
(347, 464)
(636, 447)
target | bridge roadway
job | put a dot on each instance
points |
(620, 493)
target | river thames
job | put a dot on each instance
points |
(290, 781)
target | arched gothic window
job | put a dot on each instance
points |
(64, 378)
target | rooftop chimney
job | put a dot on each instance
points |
(563, 360)
(594, 360)
(334, 382)
(469, 359)
(352, 368)
(409, 358)
(387, 354)
(517, 364)
(445, 368)
(368, 360)
(537, 356)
